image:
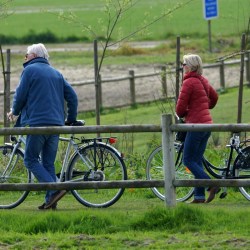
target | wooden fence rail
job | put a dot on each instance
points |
(131, 78)
(162, 74)
(167, 129)
(121, 184)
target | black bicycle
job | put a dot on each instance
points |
(220, 164)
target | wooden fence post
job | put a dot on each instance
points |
(177, 69)
(222, 76)
(7, 94)
(168, 160)
(242, 64)
(132, 87)
(100, 90)
(164, 81)
(248, 68)
(96, 71)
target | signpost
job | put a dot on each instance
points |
(210, 10)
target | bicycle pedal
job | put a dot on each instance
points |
(223, 195)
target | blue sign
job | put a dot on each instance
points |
(210, 8)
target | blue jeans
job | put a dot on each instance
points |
(42, 147)
(194, 148)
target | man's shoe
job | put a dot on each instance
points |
(196, 201)
(42, 207)
(212, 192)
(55, 198)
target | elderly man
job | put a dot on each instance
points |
(39, 101)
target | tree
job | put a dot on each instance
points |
(116, 11)
(4, 12)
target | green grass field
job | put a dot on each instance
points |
(187, 21)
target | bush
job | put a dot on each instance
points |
(44, 37)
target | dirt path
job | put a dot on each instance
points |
(147, 89)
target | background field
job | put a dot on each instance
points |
(187, 21)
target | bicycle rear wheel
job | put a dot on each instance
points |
(12, 171)
(241, 169)
(154, 171)
(97, 163)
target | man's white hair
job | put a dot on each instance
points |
(38, 49)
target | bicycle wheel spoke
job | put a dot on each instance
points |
(100, 163)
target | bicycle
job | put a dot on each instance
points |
(235, 166)
(93, 159)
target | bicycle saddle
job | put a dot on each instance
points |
(75, 123)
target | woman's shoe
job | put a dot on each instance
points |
(212, 192)
(195, 201)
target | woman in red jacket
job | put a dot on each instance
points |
(196, 97)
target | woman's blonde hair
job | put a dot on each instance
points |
(194, 62)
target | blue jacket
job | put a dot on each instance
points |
(40, 96)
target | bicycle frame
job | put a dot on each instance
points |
(70, 144)
(67, 158)
(227, 171)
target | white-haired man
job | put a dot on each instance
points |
(39, 101)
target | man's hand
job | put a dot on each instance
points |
(11, 117)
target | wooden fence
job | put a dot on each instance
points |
(131, 78)
(162, 74)
(167, 129)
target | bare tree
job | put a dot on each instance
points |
(116, 11)
(4, 12)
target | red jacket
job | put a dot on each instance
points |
(196, 97)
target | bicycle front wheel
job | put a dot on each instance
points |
(241, 170)
(154, 171)
(12, 170)
(98, 162)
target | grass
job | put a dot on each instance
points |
(138, 220)
(232, 20)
